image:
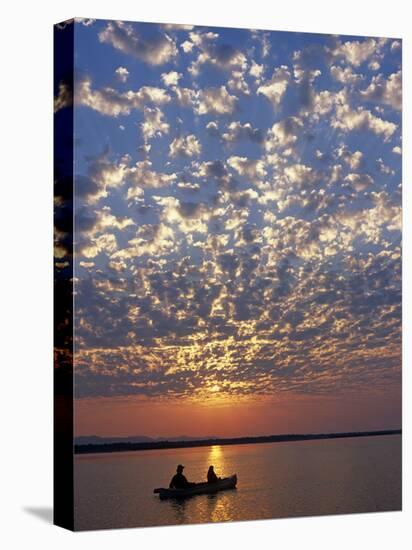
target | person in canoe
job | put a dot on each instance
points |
(211, 475)
(179, 481)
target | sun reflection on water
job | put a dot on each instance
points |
(215, 457)
(219, 508)
(215, 453)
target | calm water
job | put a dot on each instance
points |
(274, 480)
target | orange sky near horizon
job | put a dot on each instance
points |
(237, 418)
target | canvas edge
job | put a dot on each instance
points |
(63, 456)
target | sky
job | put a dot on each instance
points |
(237, 230)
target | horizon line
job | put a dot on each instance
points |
(166, 444)
(281, 434)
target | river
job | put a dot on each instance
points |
(275, 480)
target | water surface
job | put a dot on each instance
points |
(275, 480)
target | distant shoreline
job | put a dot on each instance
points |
(152, 445)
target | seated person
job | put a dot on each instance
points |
(211, 476)
(179, 481)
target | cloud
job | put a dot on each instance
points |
(374, 65)
(249, 168)
(355, 52)
(236, 131)
(105, 219)
(95, 231)
(267, 261)
(216, 101)
(188, 186)
(215, 170)
(156, 50)
(150, 240)
(348, 119)
(106, 243)
(177, 26)
(188, 217)
(346, 317)
(384, 91)
(300, 174)
(353, 160)
(256, 71)
(284, 133)
(108, 174)
(86, 21)
(186, 97)
(153, 124)
(263, 38)
(323, 102)
(172, 78)
(345, 75)
(383, 168)
(187, 46)
(383, 214)
(122, 74)
(238, 83)
(212, 128)
(185, 146)
(360, 182)
(275, 88)
(142, 176)
(103, 175)
(64, 97)
(111, 102)
(222, 56)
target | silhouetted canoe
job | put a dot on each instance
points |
(199, 488)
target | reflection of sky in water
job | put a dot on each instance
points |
(274, 480)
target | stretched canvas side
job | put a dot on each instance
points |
(63, 275)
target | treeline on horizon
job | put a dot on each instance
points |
(145, 446)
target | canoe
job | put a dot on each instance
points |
(199, 488)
